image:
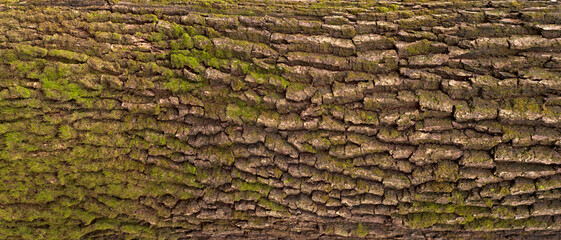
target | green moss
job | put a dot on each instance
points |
(273, 206)
(192, 31)
(382, 9)
(144, 57)
(493, 223)
(481, 224)
(101, 171)
(458, 197)
(541, 74)
(261, 188)
(489, 202)
(433, 207)
(66, 132)
(523, 105)
(108, 37)
(241, 66)
(419, 47)
(213, 62)
(515, 5)
(289, 180)
(278, 81)
(181, 85)
(426, 219)
(221, 155)
(151, 17)
(385, 9)
(468, 212)
(241, 112)
(13, 139)
(22, 92)
(68, 55)
(28, 51)
(56, 85)
(238, 84)
(504, 212)
(390, 133)
(296, 87)
(222, 64)
(177, 30)
(98, 16)
(134, 229)
(387, 63)
(203, 43)
(168, 175)
(259, 78)
(501, 191)
(157, 37)
(447, 171)
(8, 55)
(220, 53)
(415, 23)
(184, 42)
(189, 168)
(249, 114)
(361, 230)
(180, 61)
(309, 148)
(435, 100)
(31, 69)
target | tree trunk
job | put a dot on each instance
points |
(279, 119)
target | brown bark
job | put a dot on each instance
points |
(280, 119)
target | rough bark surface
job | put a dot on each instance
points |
(280, 119)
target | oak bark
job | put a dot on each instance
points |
(280, 119)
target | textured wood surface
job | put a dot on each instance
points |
(280, 119)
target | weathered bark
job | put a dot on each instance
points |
(271, 119)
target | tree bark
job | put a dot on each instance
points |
(280, 119)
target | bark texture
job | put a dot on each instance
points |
(280, 119)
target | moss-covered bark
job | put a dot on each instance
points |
(296, 119)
